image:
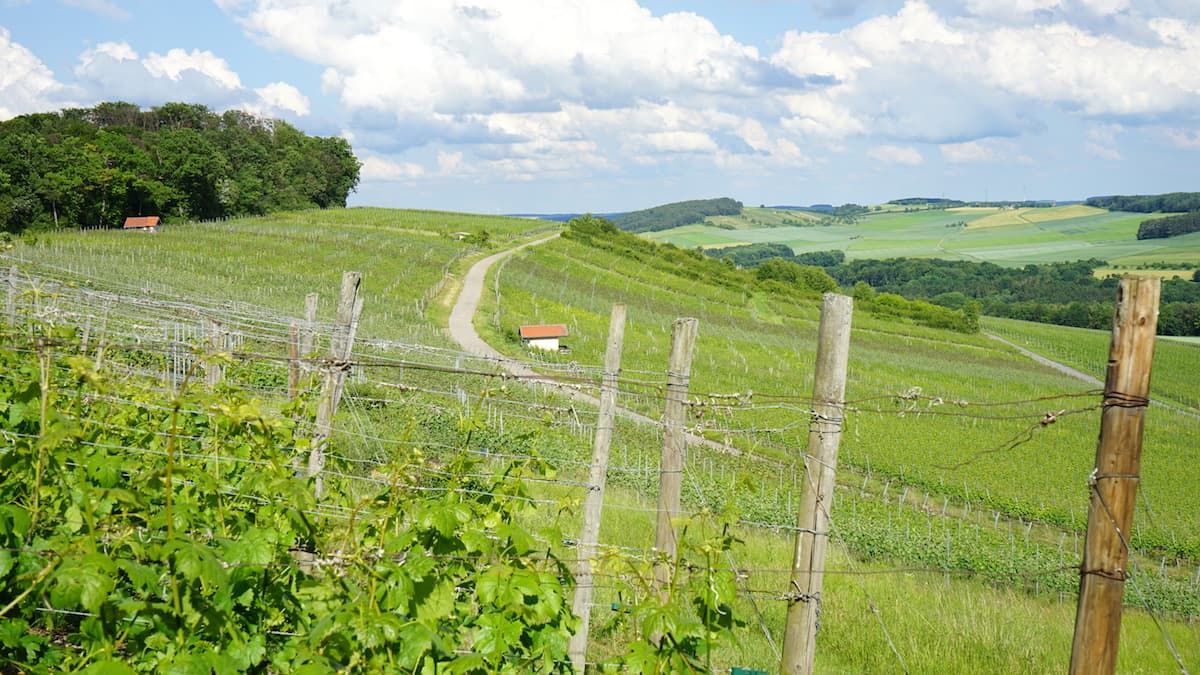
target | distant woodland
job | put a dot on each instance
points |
(678, 214)
(1171, 202)
(93, 167)
(1067, 294)
(1169, 226)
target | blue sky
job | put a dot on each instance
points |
(504, 106)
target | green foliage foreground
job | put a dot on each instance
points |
(154, 531)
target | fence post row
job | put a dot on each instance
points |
(341, 344)
(670, 471)
(1113, 483)
(812, 523)
(593, 501)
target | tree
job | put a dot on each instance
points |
(95, 166)
(805, 277)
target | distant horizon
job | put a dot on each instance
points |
(521, 214)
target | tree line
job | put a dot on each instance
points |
(1171, 202)
(1169, 226)
(677, 214)
(93, 167)
(753, 255)
(1066, 294)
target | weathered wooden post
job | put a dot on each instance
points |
(670, 471)
(812, 523)
(593, 501)
(309, 326)
(11, 303)
(1114, 480)
(293, 360)
(213, 370)
(341, 344)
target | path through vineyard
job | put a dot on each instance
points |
(462, 331)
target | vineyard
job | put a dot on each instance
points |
(173, 520)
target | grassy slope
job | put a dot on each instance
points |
(1010, 237)
(554, 284)
(746, 342)
(275, 261)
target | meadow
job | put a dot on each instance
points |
(950, 488)
(1007, 237)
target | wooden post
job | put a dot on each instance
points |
(11, 304)
(293, 360)
(670, 470)
(1114, 480)
(593, 501)
(347, 345)
(812, 524)
(309, 326)
(340, 346)
(214, 371)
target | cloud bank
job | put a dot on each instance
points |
(500, 90)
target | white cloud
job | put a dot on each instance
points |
(284, 96)
(1105, 7)
(521, 88)
(894, 154)
(115, 71)
(923, 76)
(678, 141)
(26, 84)
(175, 63)
(377, 168)
(1187, 140)
(965, 153)
(506, 54)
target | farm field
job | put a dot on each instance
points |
(1008, 237)
(932, 483)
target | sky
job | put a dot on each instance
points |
(544, 106)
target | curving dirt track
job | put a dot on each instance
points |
(462, 331)
(460, 326)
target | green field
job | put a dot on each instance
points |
(1008, 237)
(936, 497)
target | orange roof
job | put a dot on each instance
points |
(554, 330)
(138, 222)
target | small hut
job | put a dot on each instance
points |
(143, 223)
(543, 337)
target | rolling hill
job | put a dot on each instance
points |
(950, 486)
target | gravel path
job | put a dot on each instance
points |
(1080, 375)
(462, 331)
(461, 328)
(1062, 368)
